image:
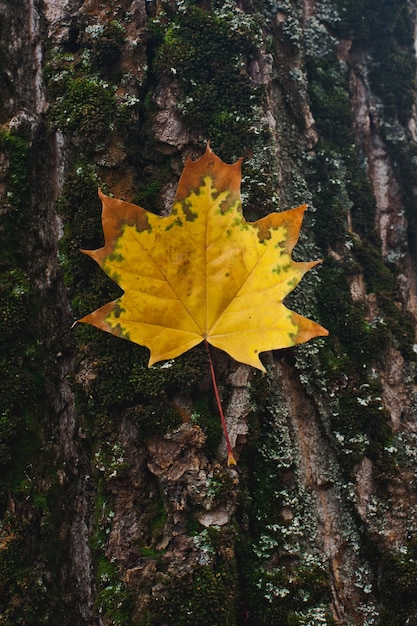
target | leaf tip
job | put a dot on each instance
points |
(231, 461)
(87, 252)
(260, 366)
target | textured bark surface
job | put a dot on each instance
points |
(117, 506)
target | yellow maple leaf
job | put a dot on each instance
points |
(203, 272)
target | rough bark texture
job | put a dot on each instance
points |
(117, 506)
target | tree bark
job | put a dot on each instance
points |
(116, 501)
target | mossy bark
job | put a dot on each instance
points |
(116, 502)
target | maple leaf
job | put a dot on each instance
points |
(203, 273)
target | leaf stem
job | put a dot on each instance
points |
(230, 458)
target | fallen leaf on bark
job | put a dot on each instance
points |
(203, 273)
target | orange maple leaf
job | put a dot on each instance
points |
(203, 272)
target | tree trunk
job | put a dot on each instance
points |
(116, 501)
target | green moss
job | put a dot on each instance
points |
(362, 342)
(148, 195)
(209, 421)
(338, 177)
(59, 67)
(329, 93)
(23, 593)
(403, 150)
(207, 52)
(106, 44)
(112, 600)
(398, 586)
(21, 379)
(331, 200)
(16, 150)
(149, 552)
(79, 207)
(386, 29)
(363, 423)
(282, 580)
(378, 276)
(154, 519)
(359, 421)
(86, 108)
(109, 459)
(83, 105)
(203, 598)
(297, 597)
(123, 382)
(154, 389)
(26, 483)
(193, 526)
